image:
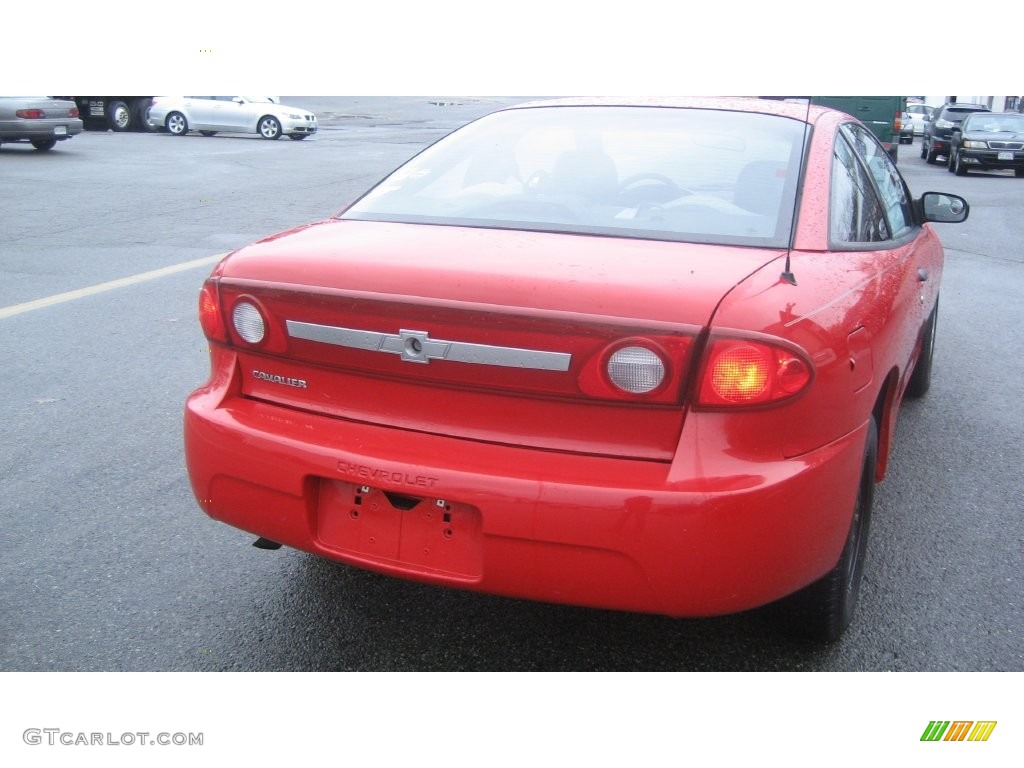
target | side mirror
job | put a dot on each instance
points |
(238, 99)
(943, 208)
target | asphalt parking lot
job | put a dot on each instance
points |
(110, 565)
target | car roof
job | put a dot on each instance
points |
(795, 110)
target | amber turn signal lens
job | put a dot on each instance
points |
(751, 373)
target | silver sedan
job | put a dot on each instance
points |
(230, 114)
(40, 120)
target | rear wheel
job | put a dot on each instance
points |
(824, 610)
(141, 108)
(921, 378)
(951, 161)
(924, 150)
(1018, 172)
(931, 156)
(44, 144)
(119, 116)
(176, 124)
(269, 127)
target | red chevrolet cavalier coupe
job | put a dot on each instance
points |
(634, 355)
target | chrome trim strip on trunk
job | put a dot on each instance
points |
(418, 347)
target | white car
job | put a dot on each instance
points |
(918, 115)
(230, 114)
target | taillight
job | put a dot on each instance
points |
(73, 112)
(637, 370)
(646, 369)
(31, 114)
(742, 372)
(898, 122)
(210, 317)
(249, 322)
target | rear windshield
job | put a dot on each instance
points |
(693, 175)
(958, 113)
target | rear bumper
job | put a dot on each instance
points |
(706, 534)
(28, 130)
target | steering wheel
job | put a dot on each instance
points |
(670, 186)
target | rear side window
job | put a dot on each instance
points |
(856, 214)
(891, 189)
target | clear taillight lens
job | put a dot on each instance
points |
(637, 370)
(248, 322)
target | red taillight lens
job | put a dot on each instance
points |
(73, 112)
(31, 114)
(742, 372)
(210, 317)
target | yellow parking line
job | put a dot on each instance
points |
(60, 298)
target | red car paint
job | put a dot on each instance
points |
(555, 485)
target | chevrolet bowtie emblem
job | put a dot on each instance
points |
(418, 347)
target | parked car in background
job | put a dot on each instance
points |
(39, 120)
(644, 356)
(210, 115)
(988, 141)
(918, 115)
(939, 128)
(906, 129)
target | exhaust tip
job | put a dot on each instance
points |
(262, 543)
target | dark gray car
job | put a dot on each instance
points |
(938, 129)
(988, 141)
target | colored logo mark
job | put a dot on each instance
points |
(958, 730)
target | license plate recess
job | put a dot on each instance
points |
(420, 533)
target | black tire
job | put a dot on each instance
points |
(1018, 172)
(931, 156)
(823, 611)
(176, 124)
(958, 166)
(208, 133)
(924, 150)
(297, 136)
(44, 145)
(921, 378)
(141, 109)
(950, 161)
(119, 116)
(269, 127)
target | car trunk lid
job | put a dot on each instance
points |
(493, 335)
